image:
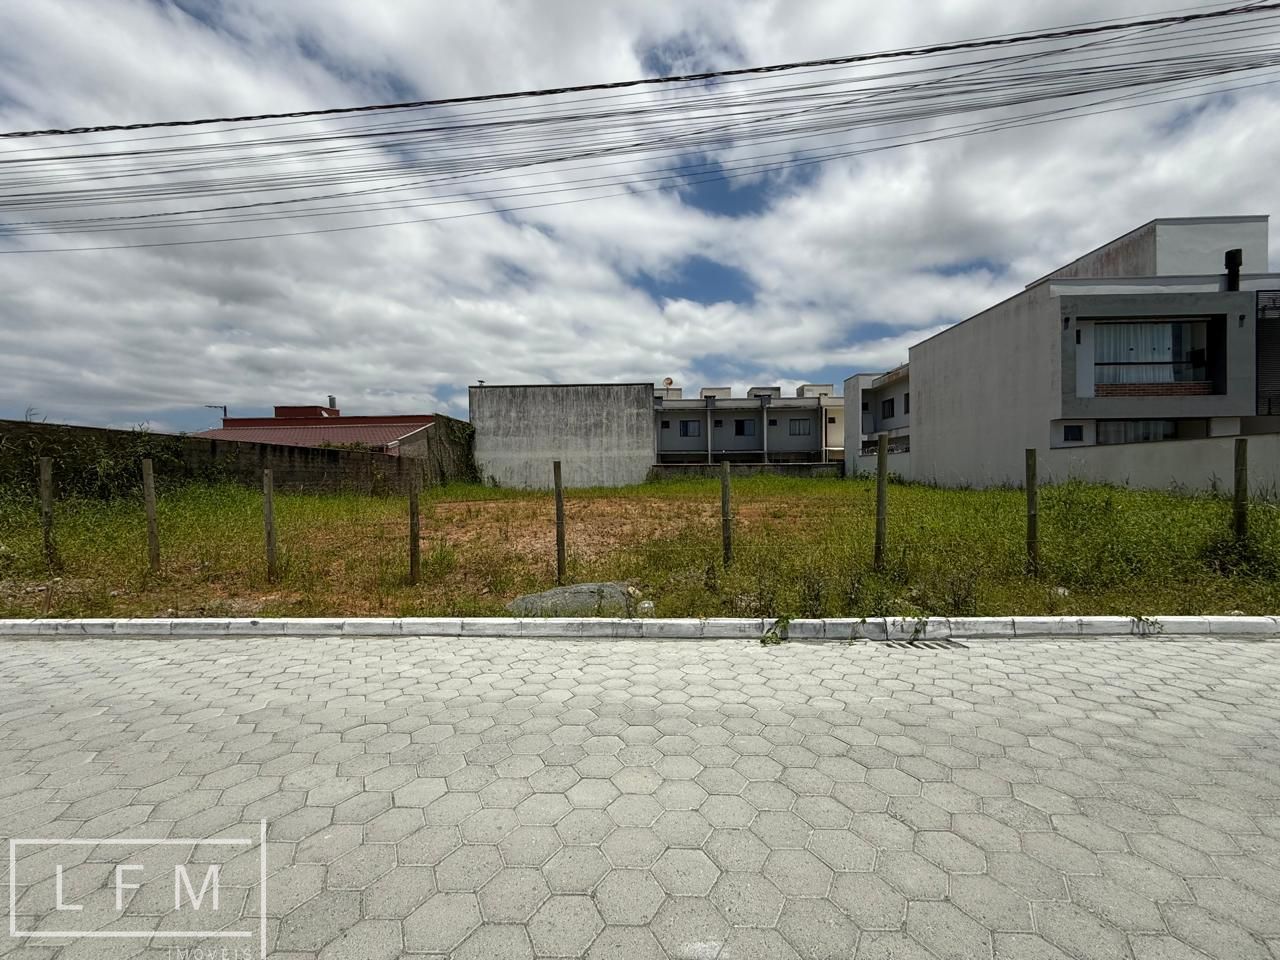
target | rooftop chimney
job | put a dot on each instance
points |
(333, 402)
(1233, 261)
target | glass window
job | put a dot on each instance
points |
(1161, 351)
(886, 409)
(906, 403)
(690, 428)
(1073, 433)
(666, 424)
(1135, 431)
(800, 428)
(744, 428)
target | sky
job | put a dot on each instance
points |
(800, 276)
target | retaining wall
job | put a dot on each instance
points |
(667, 471)
(92, 461)
(1192, 465)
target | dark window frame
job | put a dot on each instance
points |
(886, 408)
(1073, 433)
(744, 428)
(1194, 360)
(800, 427)
(690, 428)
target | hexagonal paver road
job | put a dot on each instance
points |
(498, 798)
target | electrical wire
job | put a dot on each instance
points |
(536, 144)
(981, 43)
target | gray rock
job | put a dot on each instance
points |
(577, 600)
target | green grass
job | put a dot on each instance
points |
(802, 548)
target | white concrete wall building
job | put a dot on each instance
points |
(613, 434)
(602, 433)
(1122, 357)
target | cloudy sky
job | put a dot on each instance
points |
(806, 275)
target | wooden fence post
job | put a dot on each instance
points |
(882, 497)
(560, 550)
(46, 514)
(1033, 515)
(1240, 501)
(726, 519)
(153, 526)
(415, 542)
(269, 520)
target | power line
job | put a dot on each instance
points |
(621, 193)
(497, 155)
(982, 43)
(722, 110)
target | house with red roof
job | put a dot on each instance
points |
(325, 426)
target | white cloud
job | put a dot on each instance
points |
(849, 264)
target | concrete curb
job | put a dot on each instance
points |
(595, 628)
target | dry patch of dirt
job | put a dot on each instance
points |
(593, 528)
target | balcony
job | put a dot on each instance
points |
(900, 372)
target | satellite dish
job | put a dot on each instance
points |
(667, 382)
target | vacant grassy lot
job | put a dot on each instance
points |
(802, 548)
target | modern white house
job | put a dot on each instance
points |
(1125, 365)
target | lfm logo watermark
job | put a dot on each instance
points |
(196, 895)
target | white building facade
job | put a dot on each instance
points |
(1167, 334)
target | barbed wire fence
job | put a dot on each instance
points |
(311, 546)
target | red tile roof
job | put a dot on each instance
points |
(320, 432)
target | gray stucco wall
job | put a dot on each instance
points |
(853, 418)
(832, 433)
(898, 465)
(984, 390)
(1182, 464)
(669, 439)
(603, 434)
(1133, 255)
(1175, 247)
(724, 438)
(780, 438)
(1188, 248)
(897, 392)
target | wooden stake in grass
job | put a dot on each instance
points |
(726, 519)
(153, 526)
(415, 541)
(560, 551)
(1240, 500)
(46, 514)
(269, 521)
(882, 497)
(1033, 515)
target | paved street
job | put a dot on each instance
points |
(503, 798)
